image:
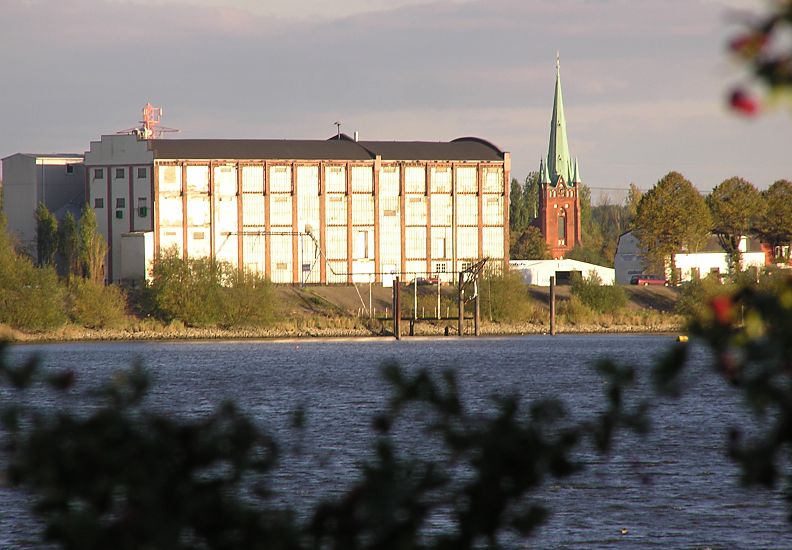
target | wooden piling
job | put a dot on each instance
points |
(397, 309)
(552, 307)
(476, 315)
(461, 304)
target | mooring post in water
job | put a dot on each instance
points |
(461, 304)
(552, 307)
(476, 313)
(397, 310)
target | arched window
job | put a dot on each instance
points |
(562, 230)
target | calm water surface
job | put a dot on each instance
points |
(674, 488)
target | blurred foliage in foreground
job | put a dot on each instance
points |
(117, 474)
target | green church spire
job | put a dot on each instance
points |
(559, 163)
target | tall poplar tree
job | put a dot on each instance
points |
(671, 217)
(93, 247)
(46, 236)
(69, 245)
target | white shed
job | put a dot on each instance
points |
(538, 272)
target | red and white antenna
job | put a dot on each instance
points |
(151, 128)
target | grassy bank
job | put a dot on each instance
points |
(340, 311)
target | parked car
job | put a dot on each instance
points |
(646, 280)
(421, 281)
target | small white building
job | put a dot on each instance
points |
(538, 272)
(629, 260)
(56, 180)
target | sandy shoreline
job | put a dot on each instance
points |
(75, 334)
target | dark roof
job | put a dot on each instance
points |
(250, 149)
(331, 149)
(459, 149)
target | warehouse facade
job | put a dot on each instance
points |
(302, 211)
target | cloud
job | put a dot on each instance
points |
(637, 74)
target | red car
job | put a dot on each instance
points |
(646, 280)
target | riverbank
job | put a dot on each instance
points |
(72, 333)
(341, 311)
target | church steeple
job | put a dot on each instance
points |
(559, 206)
(559, 163)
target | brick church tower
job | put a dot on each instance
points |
(559, 183)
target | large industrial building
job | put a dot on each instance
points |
(301, 211)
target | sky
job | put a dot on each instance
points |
(644, 81)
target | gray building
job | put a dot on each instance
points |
(56, 180)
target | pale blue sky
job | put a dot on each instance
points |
(644, 80)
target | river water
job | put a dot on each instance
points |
(674, 488)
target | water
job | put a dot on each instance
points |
(673, 489)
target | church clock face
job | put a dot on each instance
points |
(561, 190)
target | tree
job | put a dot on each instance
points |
(672, 216)
(529, 245)
(531, 195)
(775, 226)
(46, 236)
(736, 207)
(632, 201)
(93, 247)
(523, 203)
(31, 298)
(69, 246)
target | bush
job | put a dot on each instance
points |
(574, 311)
(248, 299)
(202, 292)
(95, 305)
(188, 290)
(30, 298)
(504, 297)
(600, 298)
(696, 295)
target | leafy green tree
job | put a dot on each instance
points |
(46, 236)
(69, 246)
(775, 226)
(93, 247)
(523, 203)
(529, 245)
(672, 216)
(736, 207)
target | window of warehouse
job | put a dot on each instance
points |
(363, 245)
